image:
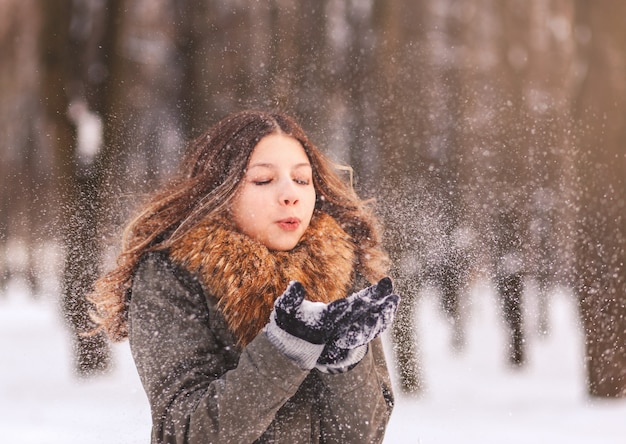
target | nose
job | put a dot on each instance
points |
(288, 194)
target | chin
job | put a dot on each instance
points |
(283, 245)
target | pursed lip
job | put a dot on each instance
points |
(289, 223)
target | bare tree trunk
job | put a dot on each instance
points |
(80, 183)
(601, 247)
(496, 126)
(401, 72)
(544, 57)
(82, 259)
(23, 179)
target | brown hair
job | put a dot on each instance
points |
(206, 182)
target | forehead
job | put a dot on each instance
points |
(278, 149)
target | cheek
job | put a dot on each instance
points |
(247, 208)
(312, 199)
(252, 205)
(239, 210)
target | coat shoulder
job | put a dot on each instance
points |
(158, 269)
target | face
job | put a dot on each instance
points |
(275, 201)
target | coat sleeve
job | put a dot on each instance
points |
(181, 366)
(356, 405)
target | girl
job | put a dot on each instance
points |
(235, 288)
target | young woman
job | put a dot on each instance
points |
(237, 287)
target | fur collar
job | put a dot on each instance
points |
(246, 278)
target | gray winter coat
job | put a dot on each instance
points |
(203, 389)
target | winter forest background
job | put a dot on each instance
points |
(491, 132)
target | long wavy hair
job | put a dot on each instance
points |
(206, 182)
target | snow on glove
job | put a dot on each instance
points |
(369, 313)
(367, 324)
(312, 321)
(299, 328)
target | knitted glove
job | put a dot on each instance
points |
(369, 313)
(300, 328)
(312, 321)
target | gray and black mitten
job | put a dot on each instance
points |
(368, 313)
(300, 328)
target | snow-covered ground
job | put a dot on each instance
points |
(471, 396)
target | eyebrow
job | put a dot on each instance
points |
(271, 165)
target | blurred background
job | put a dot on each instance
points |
(492, 134)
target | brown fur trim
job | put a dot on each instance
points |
(245, 277)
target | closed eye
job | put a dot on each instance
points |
(302, 181)
(262, 182)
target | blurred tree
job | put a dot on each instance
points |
(543, 57)
(215, 43)
(601, 221)
(24, 182)
(400, 68)
(77, 52)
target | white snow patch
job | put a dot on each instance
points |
(471, 396)
(474, 396)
